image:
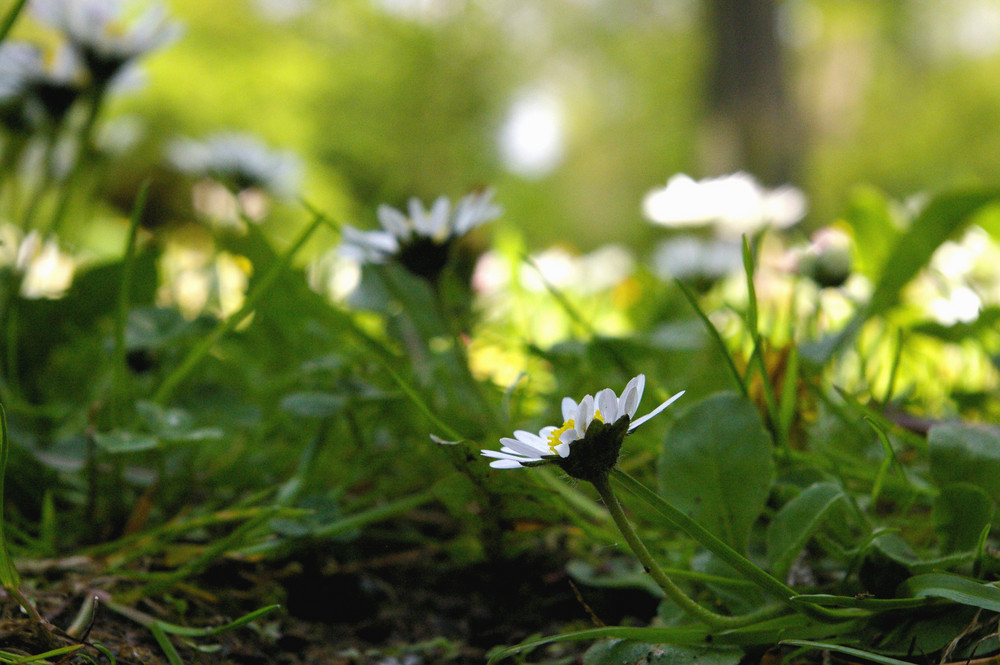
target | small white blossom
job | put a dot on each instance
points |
(557, 443)
(238, 160)
(734, 204)
(422, 239)
(109, 33)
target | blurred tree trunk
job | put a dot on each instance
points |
(753, 124)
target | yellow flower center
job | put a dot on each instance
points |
(568, 425)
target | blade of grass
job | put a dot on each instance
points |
(847, 651)
(198, 353)
(161, 629)
(122, 384)
(199, 563)
(356, 521)
(9, 577)
(580, 321)
(716, 337)
(10, 18)
(713, 544)
(877, 604)
(15, 659)
(753, 326)
(955, 588)
(763, 633)
(886, 464)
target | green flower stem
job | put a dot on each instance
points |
(121, 391)
(76, 168)
(462, 355)
(672, 591)
(712, 543)
(195, 356)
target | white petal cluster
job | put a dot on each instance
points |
(734, 204)
(239, 160)
(45, 270)
(439, 224)
(111, 30)
(526, 449)
(20, 65)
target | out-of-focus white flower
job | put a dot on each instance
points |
(827, 260)
(597, 271)
(578, 447)
(239, 161)
(200, 281)
(334, 275)
(45, 271)
(33, 87)
(20, 64)
(692, 258)
(734, 204)
(422, 241)
(108, 34)
(283, 10)
(963, 277)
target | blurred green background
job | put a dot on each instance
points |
(574, 109)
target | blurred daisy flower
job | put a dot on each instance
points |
(733, 205)
(422, 241)
(239, 161)
(42, 268)
(587, 444)
(33, 87)
(108, 34)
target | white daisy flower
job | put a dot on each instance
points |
(109, 33)
(239, 161)
(578, 446)
(733, 205)
(422, 240)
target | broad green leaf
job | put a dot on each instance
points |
(942, 217)
(617, 574)
(963, 453)
(123, 441)
(961, 512)
(615, 652)
(312, 404)
(717, 467)
(797, 522)
(955, 588)
(870, 217)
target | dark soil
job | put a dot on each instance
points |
(346, 604)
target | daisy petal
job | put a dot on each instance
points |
(632, 394)
(502, 455)
(655, 411)
(393, 221)
(607, 404)
(584, 414)
(568, 408)
(522, 447)
(505, 464)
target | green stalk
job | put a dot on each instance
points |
(198, 353)
(672, 591)
(121, 389)
(713, 544)
(462, 356)
(86, 139)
